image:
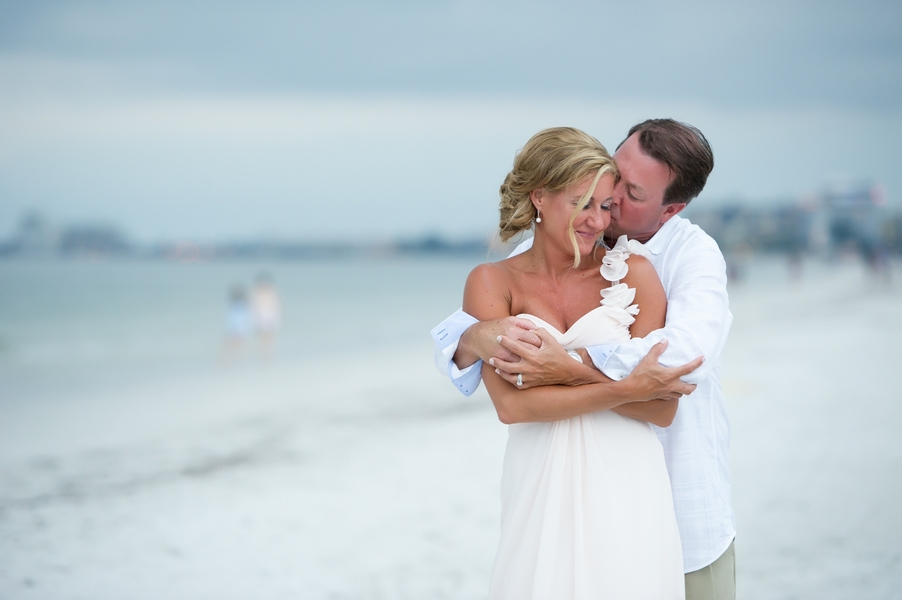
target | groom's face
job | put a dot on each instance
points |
(639, 210)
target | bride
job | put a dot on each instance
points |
(587, 510)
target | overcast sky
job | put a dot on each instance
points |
(346, 119)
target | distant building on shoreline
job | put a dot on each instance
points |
(842, 218)
(38, 238)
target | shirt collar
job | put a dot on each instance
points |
(658, 241)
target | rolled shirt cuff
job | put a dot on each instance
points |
(447, 336)
(466, 380)
(600, 355)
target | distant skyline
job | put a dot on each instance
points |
(349, 119)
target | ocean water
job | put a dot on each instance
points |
(93, 324)
(136, 461)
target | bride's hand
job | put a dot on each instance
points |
(649, 380)
(480, 340)
(545, 363)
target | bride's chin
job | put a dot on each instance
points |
(586, 245)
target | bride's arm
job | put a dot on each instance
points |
(487, 296)
(552, 402)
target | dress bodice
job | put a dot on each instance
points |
(608, 323)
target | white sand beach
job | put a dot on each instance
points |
(366, 475)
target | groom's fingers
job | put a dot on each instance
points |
(690, 366)
(658, 349)
(680, 388)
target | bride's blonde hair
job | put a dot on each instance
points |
(552, 160)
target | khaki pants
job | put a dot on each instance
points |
(717, 581)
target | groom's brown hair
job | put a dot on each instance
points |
(684, 149)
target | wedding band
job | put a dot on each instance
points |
(519, 379)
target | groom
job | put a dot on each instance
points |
(663, 165)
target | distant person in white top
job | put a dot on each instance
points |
(663, 165)
(266, 308)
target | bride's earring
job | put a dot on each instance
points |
(538, 217)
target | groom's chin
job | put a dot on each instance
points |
(612, 232)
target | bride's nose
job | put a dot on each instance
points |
(619, 192)
(598, 217)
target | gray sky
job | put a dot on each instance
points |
(346, 119)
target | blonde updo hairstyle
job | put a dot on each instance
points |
(552, 160)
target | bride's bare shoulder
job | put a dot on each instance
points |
(490, 276)
(640, 269)
(487, 292)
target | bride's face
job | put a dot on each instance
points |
(590, 222)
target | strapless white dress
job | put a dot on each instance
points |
(586, 505)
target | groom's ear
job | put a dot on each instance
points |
(671, 210)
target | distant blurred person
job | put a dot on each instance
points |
(239, 322)
(266, 308)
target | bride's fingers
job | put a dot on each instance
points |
(508, 377)
(513, 379)
(523, 323)
(516, 346)
(502, 353)
(506, 367)
(545, 338)
(525, 337)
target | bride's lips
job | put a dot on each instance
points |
(588, 235)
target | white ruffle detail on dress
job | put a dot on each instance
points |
(619, 297)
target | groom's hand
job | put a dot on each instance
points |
(649, 380)
(546, 363)
(480, 340)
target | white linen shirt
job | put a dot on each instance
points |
(696, 445)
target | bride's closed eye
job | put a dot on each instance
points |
(606, 205)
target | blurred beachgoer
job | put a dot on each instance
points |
(266, 308)
(663, 165)
(239, 322)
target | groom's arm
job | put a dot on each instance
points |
(462, 342)
(697, 322)
(698, 317)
